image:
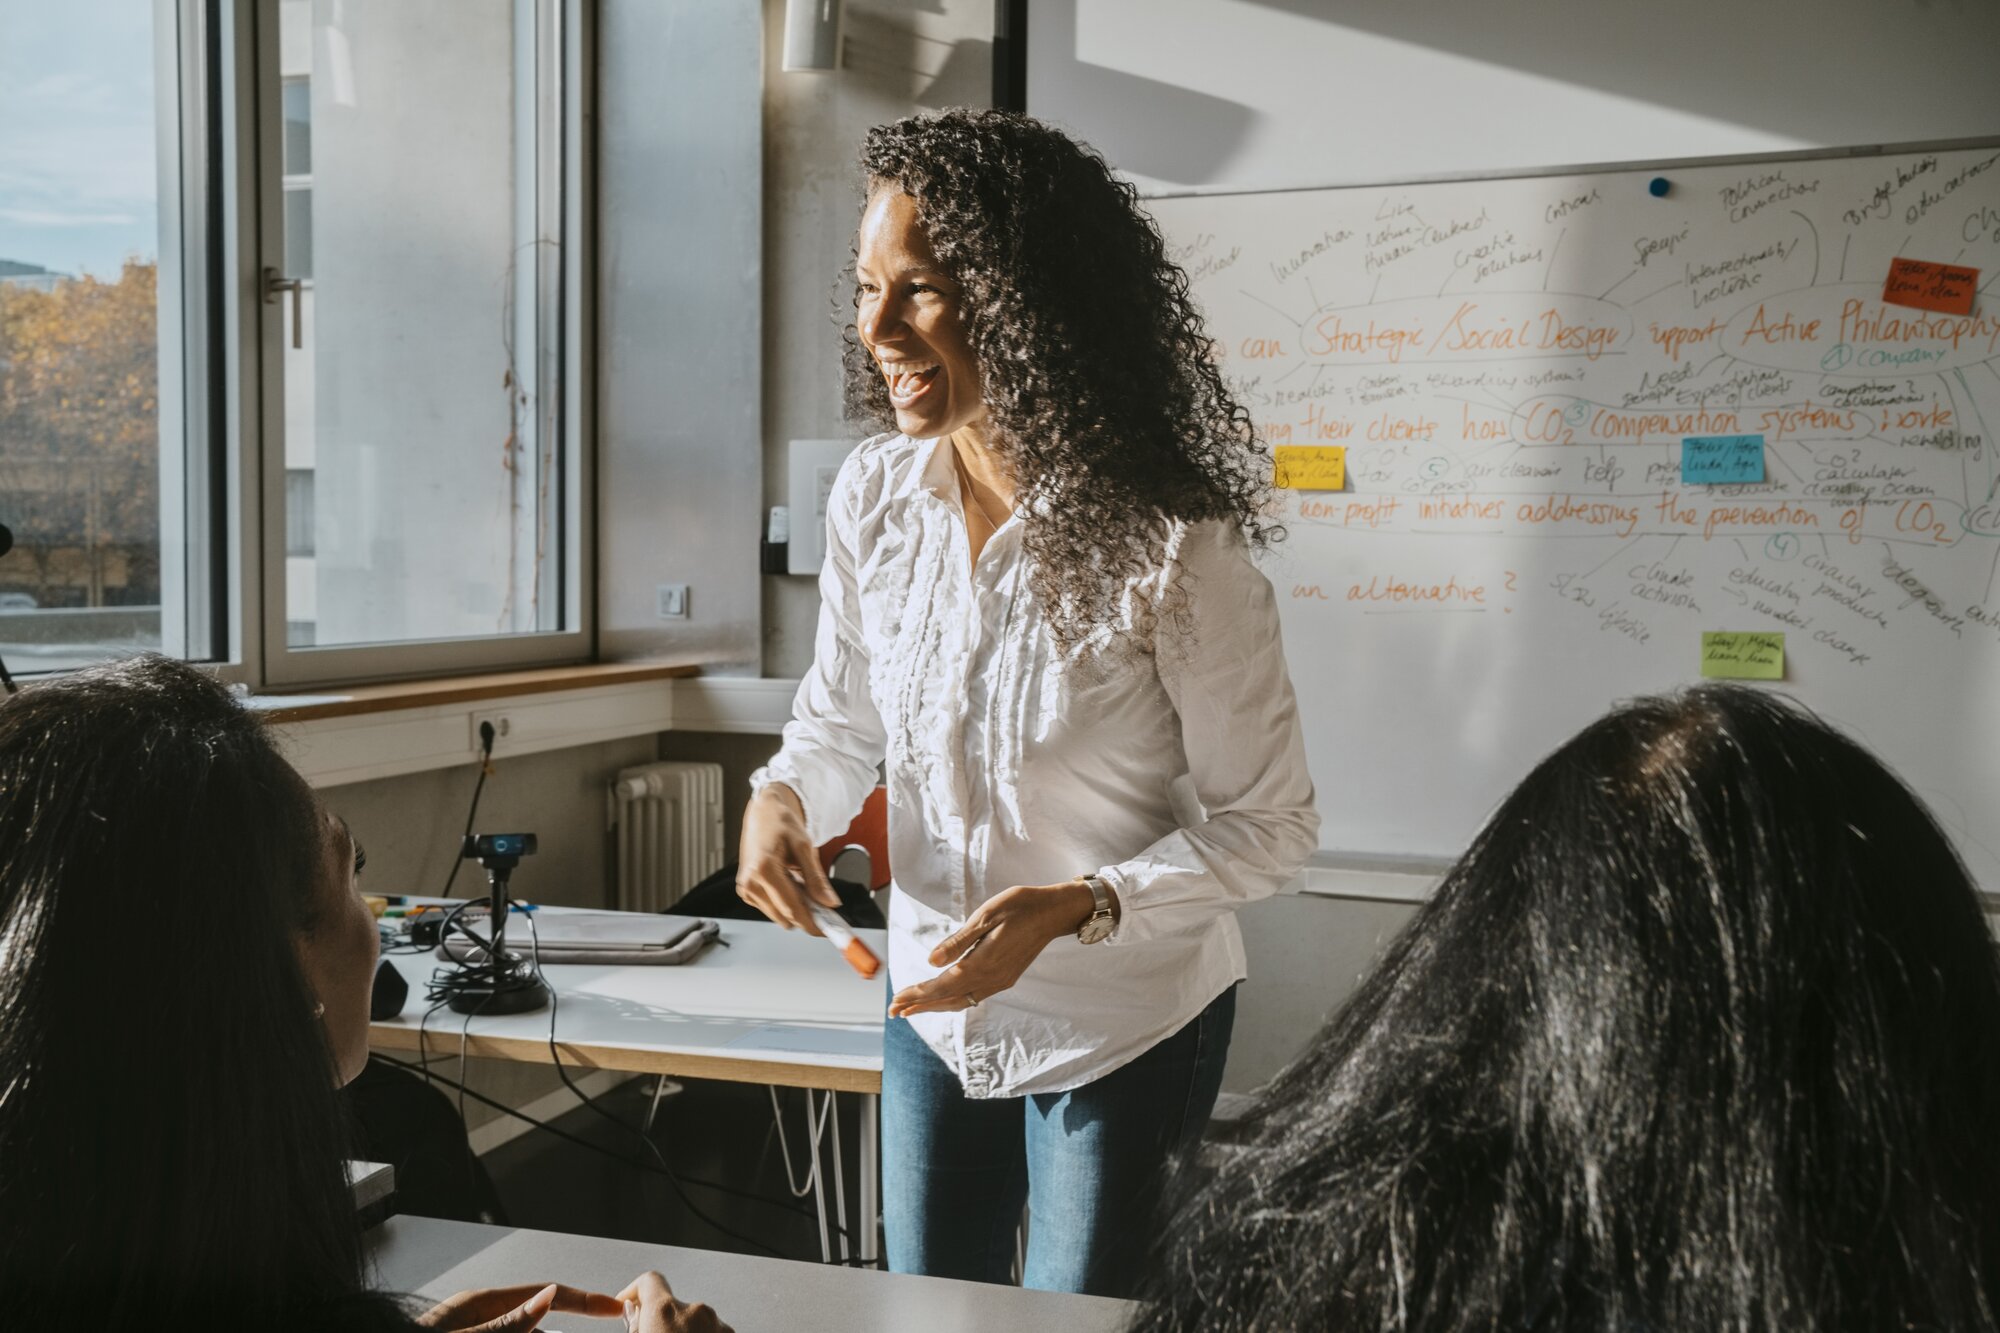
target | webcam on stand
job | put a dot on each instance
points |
(501, 982)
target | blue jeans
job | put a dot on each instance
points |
(1088, 1163)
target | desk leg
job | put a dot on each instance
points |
(839, 1181)
(871, 1175)
(818, 1175)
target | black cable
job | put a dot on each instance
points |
(464, 1074)
(555, 1057)
(460, 976)
(485, 767)
(447, 983)
(423, 1043)
(633, 1163)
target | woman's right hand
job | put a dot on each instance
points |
(650, 1307)
(776, 858)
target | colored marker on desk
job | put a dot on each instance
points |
(858, 955)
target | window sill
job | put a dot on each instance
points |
(735, 705)
(379, 731)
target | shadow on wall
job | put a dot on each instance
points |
(1155, 129)
(1708, 57)
(896, 60)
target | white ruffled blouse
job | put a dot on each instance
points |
(1179, 775)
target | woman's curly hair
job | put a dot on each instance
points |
(1103, 401)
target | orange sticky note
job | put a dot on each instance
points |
(1310, 467)
(1946, 288)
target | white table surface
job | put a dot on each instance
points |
(775, 1006)
(427, 1257)
(370, 1182)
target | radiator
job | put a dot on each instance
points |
(668, 819)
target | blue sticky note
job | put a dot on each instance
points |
(1715, 459)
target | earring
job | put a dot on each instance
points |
(319, 1009)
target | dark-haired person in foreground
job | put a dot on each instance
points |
(1040, 617)
(185, 966)
(1701, 1034)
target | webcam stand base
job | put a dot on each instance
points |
(511, 995)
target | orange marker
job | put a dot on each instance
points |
(858, 955)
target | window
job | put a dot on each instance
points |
(295, 159)
(85, 431)
(420, 302)
(291, 298)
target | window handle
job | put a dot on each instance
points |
(275, 285)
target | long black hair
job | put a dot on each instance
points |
(171, 1145)
(1104, 402)
(1702, 1033)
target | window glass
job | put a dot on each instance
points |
(297, 110)
(420, 213)
(80, 319)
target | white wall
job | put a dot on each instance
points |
(1261, 94)
(680, 283)
(410, 825)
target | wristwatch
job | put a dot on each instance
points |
(1100, 925)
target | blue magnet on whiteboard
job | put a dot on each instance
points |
(1659, 187)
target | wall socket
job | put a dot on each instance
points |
(503, 727)
(673, 600)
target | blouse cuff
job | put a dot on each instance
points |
(796, 782)
(1124, 931)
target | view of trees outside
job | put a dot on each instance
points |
(79, 440)
(80, 447)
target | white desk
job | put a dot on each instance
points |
(774, 1006)
(370, 1183)
(431, 1258)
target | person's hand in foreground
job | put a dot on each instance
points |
(650, 1307)
(516, 1309)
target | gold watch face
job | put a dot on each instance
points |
(1095, 930)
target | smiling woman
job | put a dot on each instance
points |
(1041, 618)
(1104, 403)
(907, 318)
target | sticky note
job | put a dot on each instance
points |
(1947, 288)
(1721, 458)
(1742, 655)
(1310, 467)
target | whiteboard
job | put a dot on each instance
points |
(1512, 364)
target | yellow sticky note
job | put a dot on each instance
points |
(1310, 467)
(1742, 655)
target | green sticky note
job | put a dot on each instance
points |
(1742, 655)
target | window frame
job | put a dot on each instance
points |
(262, 656)
(202, 574)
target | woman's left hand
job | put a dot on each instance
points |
(993, 948)
(516, 1309)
